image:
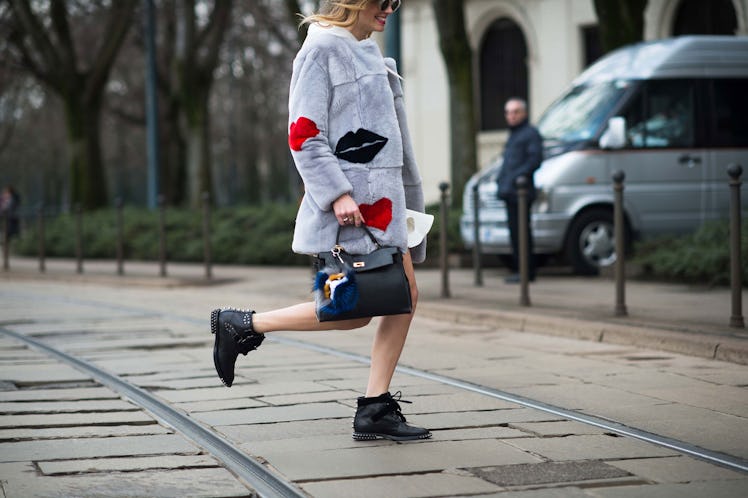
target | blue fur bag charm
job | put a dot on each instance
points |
(335, 290)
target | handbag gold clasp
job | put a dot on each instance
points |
(359, 264)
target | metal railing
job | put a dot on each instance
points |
(119, 244)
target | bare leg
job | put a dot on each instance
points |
(389, 340)
(300, 317)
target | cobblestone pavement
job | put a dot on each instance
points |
(63, 434)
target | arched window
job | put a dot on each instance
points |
(503, 71)
(697, 17)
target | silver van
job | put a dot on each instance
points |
(671, 114)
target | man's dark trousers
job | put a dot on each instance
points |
(512, 213)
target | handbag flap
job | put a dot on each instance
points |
(380, 257)
(366, 262)
(377, 259)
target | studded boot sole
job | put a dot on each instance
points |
(371, 436)
(381, 418)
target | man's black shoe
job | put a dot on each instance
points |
(234, 335)
(380, 417)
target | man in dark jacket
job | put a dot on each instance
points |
(522, 156)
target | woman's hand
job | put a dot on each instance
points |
(346, 211)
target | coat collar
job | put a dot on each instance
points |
(316, 29)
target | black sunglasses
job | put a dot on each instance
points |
(395, 4)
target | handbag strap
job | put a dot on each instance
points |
(366, 229)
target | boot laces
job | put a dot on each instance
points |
(392, 405)
(249, 343)
(246, 339)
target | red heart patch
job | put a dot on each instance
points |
(300, 130)
(377, 215)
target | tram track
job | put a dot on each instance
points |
(266, 482)
(262, 480)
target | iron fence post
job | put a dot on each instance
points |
(444, 252)
(41, 246)
(736, 316)
(162, 235)
(206, 236)
(524, 241)
(6, 242)
(120, 237)
(477, 264)
(619, 233)
(79, 238)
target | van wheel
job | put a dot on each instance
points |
(590, 244)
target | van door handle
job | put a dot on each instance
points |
(689, 160)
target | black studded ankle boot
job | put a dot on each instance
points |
(380, 417)
(234, 335)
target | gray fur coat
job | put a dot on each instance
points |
(348, 134)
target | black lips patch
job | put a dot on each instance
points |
(359, 147)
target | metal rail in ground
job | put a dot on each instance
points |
(256, 475)
(715, 457)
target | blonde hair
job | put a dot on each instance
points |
(343, 13)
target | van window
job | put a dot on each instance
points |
(662, 115)
(580, 114)
(730, 127)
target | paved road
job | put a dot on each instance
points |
(62, 434)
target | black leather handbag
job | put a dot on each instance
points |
(377, 284)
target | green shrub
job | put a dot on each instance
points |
(702, 257)
(242, 235)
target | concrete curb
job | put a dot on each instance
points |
(716, 347)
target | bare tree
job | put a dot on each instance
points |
(75, 66)
(247, 105)
(252, 100)
(621, 23)
(195, 58)
(455, 48)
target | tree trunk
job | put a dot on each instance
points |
(198, 159)
(46, 49)
(173, 159)
(88, 184)
(621, 23)
(458, 58)
(195, 60)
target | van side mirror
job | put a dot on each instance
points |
(614, 136)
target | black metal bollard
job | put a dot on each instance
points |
(41, 247)
(120, 237)
(477, 266)
(79, 238)
(6, 242)
(524, 241)
(206, 235)
(736, 316)
(444, 253)
(162, 235)
(619, 231)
